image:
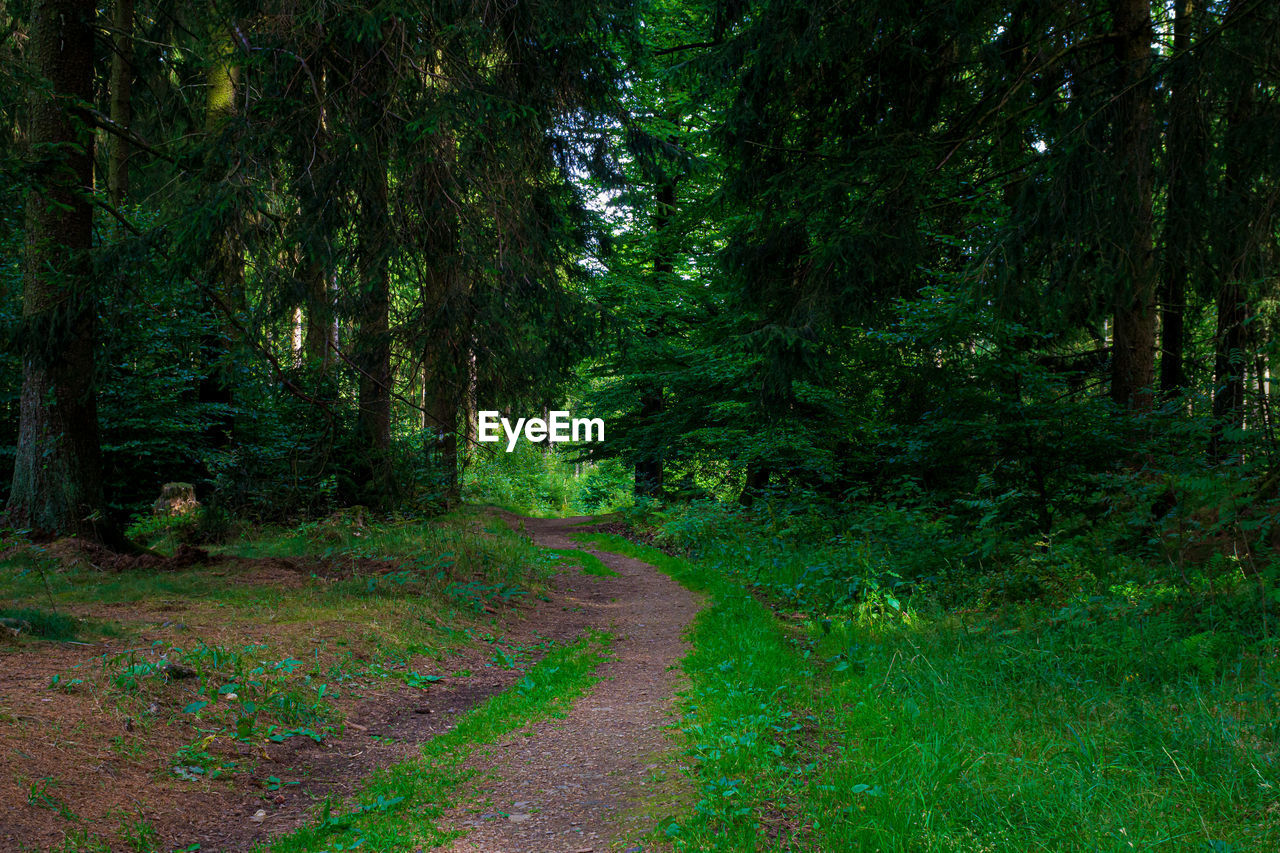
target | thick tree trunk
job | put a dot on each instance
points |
(446, 375)
(444, 404)
(57, 478)
(1187, 157)
(1235, 260)
(371, 348)
(318, 337)
(1133, 356)
(446, 368)
(121, 102)
(1240, 235)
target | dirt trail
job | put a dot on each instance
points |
(570, 787)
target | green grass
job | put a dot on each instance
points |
(38, 622)
(394, 584)
(590, 563)
(397, 808)
(269, 659)
(1073, 730)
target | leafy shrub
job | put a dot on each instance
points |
(530, 479)
(604, 487)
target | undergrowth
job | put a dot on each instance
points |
(546, 483)
(1113, 722)
(275, 640)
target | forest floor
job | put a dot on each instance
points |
(486, 682)
(229, 706)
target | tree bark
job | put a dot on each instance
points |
(446, 368)
(1133, 355)
(317, 226)
(371, 348)
(1236, 267)
(57, 477)
(121, 102)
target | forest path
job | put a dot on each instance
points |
(570, 785)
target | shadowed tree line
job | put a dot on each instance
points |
(1012, 258)
(284, 246)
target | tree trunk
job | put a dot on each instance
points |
(758, 476)
(57, 477)
(444, 403)
(1263, 377)
(471, 425)
(317, 225)
(318, 337)
(1187, 158)
(1133, 356)
(1228, 365)
(225, 269)
(1232, 300)
(371, 345)
(1240, 232)
(446, 372)
(447, 297)
(121, 102)
(649, 469)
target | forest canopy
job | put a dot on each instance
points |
(1011, 264)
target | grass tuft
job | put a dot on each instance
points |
(589, 563)
(38, 622)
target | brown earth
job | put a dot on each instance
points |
(570, 784)
(595, 780)
(106, 760)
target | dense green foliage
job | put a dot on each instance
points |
(880, 720)
(344, 225)
(943, 329)
(343, 230)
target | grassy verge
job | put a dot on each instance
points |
(1080, 729)
(589, 563)
(398, 807)
(744, 717)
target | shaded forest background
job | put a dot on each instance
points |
(995, 276)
